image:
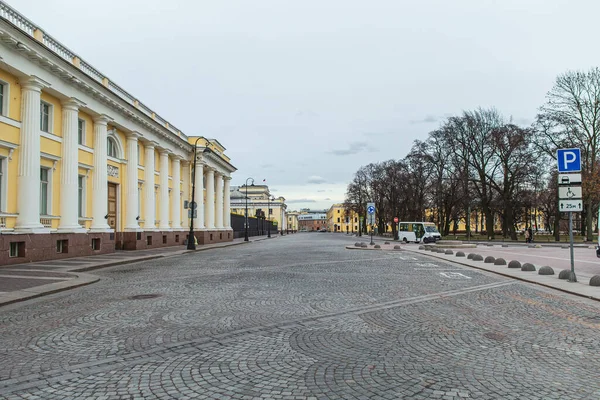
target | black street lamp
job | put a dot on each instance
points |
(246, 230)
(269, 199)
(191, 245)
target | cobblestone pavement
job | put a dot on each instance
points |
(300, 317)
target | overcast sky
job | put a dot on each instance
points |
(302, 93)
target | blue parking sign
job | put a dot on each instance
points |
(569, 160)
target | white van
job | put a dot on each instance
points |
(417, 232)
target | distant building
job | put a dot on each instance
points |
(275, 210)
(312, 221)
(292, 220)
(341, 220)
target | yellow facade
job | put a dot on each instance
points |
(341, 220)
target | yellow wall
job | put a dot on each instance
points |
(56, 126)
(14, 104)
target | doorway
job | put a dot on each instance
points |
(112, 206)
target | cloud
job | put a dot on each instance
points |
(316, 179)
(353, 148)
(292, 201)
(321, 191)
(429, 119)
(327, 198)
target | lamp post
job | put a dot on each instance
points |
(246, 230)
(191, 245)
(269, 199)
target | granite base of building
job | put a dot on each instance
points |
(21, 248)
(149, 239)
(210, 236)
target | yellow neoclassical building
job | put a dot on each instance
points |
(341, 220)
(259, 198)
(86, 167)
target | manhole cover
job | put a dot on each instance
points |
(144, 296)
(494, 336)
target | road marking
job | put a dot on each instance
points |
(454, 275)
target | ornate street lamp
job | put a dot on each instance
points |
(246, 230)
(191, 245)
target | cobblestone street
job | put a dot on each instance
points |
(301, 317)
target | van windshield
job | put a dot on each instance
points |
(431, 229)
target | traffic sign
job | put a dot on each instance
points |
(569, 160)
(190, 213)
(569, 179)
(569, 192)
(193, 205)
(371, 208)
(570, 205)
(371, 219)
(396, 219)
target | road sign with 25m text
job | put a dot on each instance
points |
(570, 205)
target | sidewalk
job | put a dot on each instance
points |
(20, 282)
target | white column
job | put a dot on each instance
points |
(149, 203)
(227, 203)
(131, 212)
(28, 174)
(210, 199)
(185, 170)
(176, 191)
(164, 190)
(219, 202)
(199, 196)
(69, 219)
(100, 176)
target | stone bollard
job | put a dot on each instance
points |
(357, 244)
(528, 267)
(386, 243)
(363, 245)
(449, 252)
(595, 280)
(504, 245)
(489, 260)
(470, 256)
(396, 247)
(477, 257)
(514, 264)
(500, 261)
(564, 274)
(377, 246)
(546, 270)
(422, 248)
(460, 254)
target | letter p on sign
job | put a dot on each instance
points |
(569, 160)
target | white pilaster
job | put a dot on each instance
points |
(185, 167)
(199, 196)
(210, 199)
(176, 197)
(219, 201)
(100, 176)
(69, 219)
(28, 174)
(149, 203)
(131, 212)
(227, 203)
(164, 190)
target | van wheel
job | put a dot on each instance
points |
(404, 240)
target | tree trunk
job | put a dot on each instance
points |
(589, 215)
(557, 226)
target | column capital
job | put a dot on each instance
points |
(133, 135)
(73, 104)
(102, 119)
(34, 83)
(185, 162)
(163, 151)
(176, 157)
(226, 178)
(149, 144)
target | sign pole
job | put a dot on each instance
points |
(572, 277)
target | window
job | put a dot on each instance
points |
(44, 192)
(338, 219)
(96, 244)
(62, 246)
(338, 211)
(16, 249)
(81, 131)
(81, 196)
(2, 98)
(45, 117)
(111, 147)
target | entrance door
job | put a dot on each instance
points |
(112, 206)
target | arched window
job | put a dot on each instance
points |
(111, 147)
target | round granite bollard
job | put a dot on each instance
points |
(489, 260)
(595, 280)
(386, 243)
(504, 245)
(477, 257)
(546, 270)
(363, 245)
(357, 244)
(564, 274)
(377, 246)
(528, 267)
(460, 254)
(396, 247)
(449, 252)
(500, 261)
(470, 256)
(422, 248)
(514, 264)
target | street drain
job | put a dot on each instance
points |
(144, 296)
(494, 336)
